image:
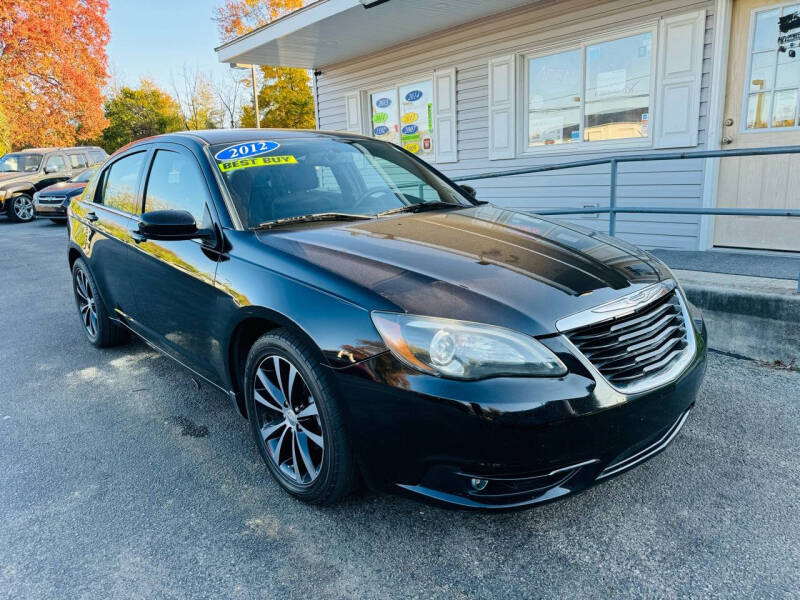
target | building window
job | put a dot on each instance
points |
(598, 92)
(403, 115)
(771, 94)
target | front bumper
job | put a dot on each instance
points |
(530, 440)
(51, 209)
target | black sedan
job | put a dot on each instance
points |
(52, 201)
(375, 322)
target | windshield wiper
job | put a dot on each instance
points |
(419, 207)
(329, 216)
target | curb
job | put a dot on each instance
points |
(760, 326)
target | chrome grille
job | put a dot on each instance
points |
(638, 345)
(52, 199)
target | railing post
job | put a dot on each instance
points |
(612, 199)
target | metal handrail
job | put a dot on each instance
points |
(613, 209)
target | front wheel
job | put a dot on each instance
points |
(296, 419)
(21, 209)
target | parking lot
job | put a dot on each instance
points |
(122, 477)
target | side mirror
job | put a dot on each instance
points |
(51, 169)
(469, 191)
(169, 225)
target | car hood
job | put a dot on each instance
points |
(70, 188)
(482, 264)
(5, 177)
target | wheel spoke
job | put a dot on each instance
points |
(277, 395)
(317, 439)
(302, 446)
(267, 431)
(266, 401)
(309, 411)
(295, 464)
(292, 377)
(279, 447)
(276, 362)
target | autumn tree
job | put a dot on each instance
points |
(285, 98)
(138, 113)
(53, 65)
(196, 100)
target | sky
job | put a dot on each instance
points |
(154, 38)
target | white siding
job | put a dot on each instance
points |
(469, 49)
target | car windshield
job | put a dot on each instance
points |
(84, 176)
(20, 163)
(327, 178)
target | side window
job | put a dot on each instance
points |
(119, 183)
(176, 183)
(55, 164)
(77, 161)
(95, 156)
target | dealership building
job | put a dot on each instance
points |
(474, 86)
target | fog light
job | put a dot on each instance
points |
(479, 484)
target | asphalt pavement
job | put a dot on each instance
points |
(121, 477)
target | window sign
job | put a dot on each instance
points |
(385, 125)
(771, 93)
(416, 117)
(599, 92)
(404, 116)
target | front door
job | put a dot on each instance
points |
(173, 280)
(761, 110)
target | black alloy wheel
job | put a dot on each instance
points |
(296, 420)
(97, 325)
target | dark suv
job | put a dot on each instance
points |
(24, 173)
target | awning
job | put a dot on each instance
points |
(330, 31)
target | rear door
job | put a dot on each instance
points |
(109, 218)
(174, 280)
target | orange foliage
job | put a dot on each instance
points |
(53, 64)
(236, 17)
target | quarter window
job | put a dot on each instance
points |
(95, 156)
(403, 115)
(771, 94)
(596, 93)
(78, 161)
(120, 183)
(176, 183)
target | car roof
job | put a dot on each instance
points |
(56, 149)
(228, 136)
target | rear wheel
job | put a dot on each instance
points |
(21, 209)
(296, 419)
(98, 327)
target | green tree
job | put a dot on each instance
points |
(284, 100)
(134, 114)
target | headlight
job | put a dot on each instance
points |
(36, 197)
(462, 350)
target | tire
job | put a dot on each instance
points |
(317, 471)
(21, 209)
(100, 330)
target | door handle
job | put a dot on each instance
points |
(92, 216)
